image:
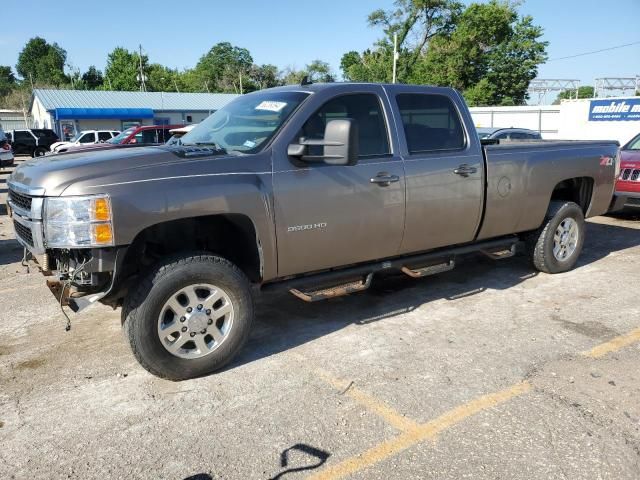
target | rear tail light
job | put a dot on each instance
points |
(6, 146)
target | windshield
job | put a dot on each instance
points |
(121, 136)
(634, 144)
(246, 124)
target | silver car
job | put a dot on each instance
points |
(508, 134)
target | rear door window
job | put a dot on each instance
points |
(431, 122)
(104, 136)
(23, 137)
(150, 136)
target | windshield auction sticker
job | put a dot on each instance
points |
(271, 106)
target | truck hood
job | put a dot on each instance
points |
(629, 159)
(54, 173)
(55, 145)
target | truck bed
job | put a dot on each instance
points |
(520, 177)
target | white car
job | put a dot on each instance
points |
(177, 133)
(86, 137)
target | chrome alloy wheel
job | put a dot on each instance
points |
(195, 321)
(565, 239)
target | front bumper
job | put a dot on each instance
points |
(6, 157)
(78, 277)
(631, 199)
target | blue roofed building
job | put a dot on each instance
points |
(70, 111)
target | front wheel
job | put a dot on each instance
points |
(189, 316)
(556, 245)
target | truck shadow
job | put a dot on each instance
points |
(10, 251)
(283, 322)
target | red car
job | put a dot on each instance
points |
(628, 183)
(143, 135)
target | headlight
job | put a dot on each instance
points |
(72, 222)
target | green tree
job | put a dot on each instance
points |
(316, 71)
(7, 81)
(123, 69)
(585, 91)
(264, 76)
(320, 71)
(40, 62)
(92, 79)
(224, 68)
(486, 50)
(163, 79)
(349, 60)
(416, 23)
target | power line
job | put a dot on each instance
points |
(595, 51)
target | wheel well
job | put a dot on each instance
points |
(231, 236)
(577, 190)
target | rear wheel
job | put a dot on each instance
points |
(556, 245)
(189, 316)
(39, 152)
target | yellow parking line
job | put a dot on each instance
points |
(413, 433)
(614, 344)
(425, 431)
(388, 414)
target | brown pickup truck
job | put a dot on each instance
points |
(311, 188)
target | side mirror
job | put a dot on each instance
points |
(340, 144)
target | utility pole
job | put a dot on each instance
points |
(395, 56)
(141, 76)
(176, 85)
(240, 82)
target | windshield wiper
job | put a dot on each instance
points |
(201, 144)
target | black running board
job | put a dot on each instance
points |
(336, 291)
(429, 270)
(332, 279)
(500, 253)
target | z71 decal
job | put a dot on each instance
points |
(606, 161)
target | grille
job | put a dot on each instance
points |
(20, 201)
(635, 174)
(633, 201)
(23, 232)
(625, 174)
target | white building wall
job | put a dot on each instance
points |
(575, 124)
(543, 119)
(40, 118)
(568, 121)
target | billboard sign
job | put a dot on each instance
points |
(617, 110)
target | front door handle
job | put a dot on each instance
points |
(465, 170)
(384, 179)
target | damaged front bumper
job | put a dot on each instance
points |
(79, 279)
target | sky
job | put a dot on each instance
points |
(293, 33)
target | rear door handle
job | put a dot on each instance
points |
(384, 179)
(465, 170)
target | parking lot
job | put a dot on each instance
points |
(488, 371)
